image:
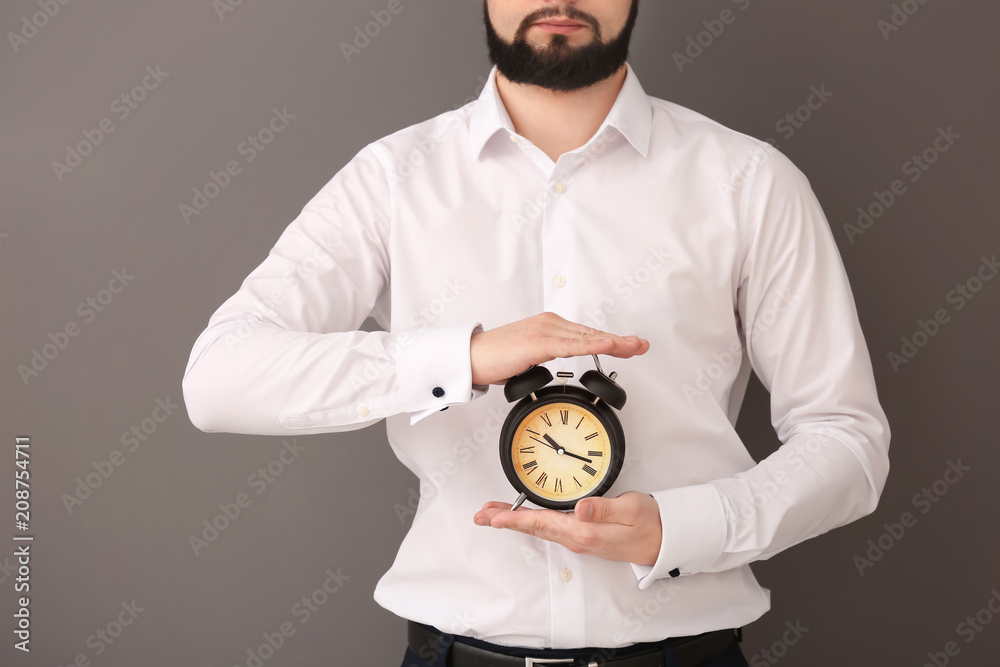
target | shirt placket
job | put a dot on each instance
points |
(565, 571)
(568, 601)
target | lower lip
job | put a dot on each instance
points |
(554, 27)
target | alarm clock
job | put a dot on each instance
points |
(561, 443)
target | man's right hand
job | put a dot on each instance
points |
(502, 353)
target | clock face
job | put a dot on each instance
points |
(558, 446)
(561, 451)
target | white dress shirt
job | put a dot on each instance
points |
(665, 225)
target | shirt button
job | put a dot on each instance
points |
(438, 392)
(559, 281)
(566, 575)
(363, 411)
(516, 139)
(559, 187)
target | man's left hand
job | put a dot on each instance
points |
(626, 528)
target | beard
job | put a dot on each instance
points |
(559, 66)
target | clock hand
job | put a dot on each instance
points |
(562, 450)
(575, 456)
(554, 445)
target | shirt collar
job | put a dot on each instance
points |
(631, 115)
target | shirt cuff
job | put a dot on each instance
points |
(435, 370)
(694, 525)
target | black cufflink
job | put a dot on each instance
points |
(438, 392)
(674, 572)
(444, 408)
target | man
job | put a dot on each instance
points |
(521, 229)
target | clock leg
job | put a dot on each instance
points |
(517, 503)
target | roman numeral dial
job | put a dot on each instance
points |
(561, 450)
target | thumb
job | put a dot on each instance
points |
(595, 510)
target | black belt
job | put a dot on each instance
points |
(691, 651)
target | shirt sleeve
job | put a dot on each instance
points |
(284, 354)
(803, 339)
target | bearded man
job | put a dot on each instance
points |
(522, 230)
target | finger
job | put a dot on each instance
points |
(569, 339)
(627, 340)
(489, 510)
(606, 540)
(574, 330)
(605, 510)
(484, 516)
(546, 524)
(607, 344)
(496, 504)
(579, 328)
(625, 348)
(592, 333)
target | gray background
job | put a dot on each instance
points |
(60, 241)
